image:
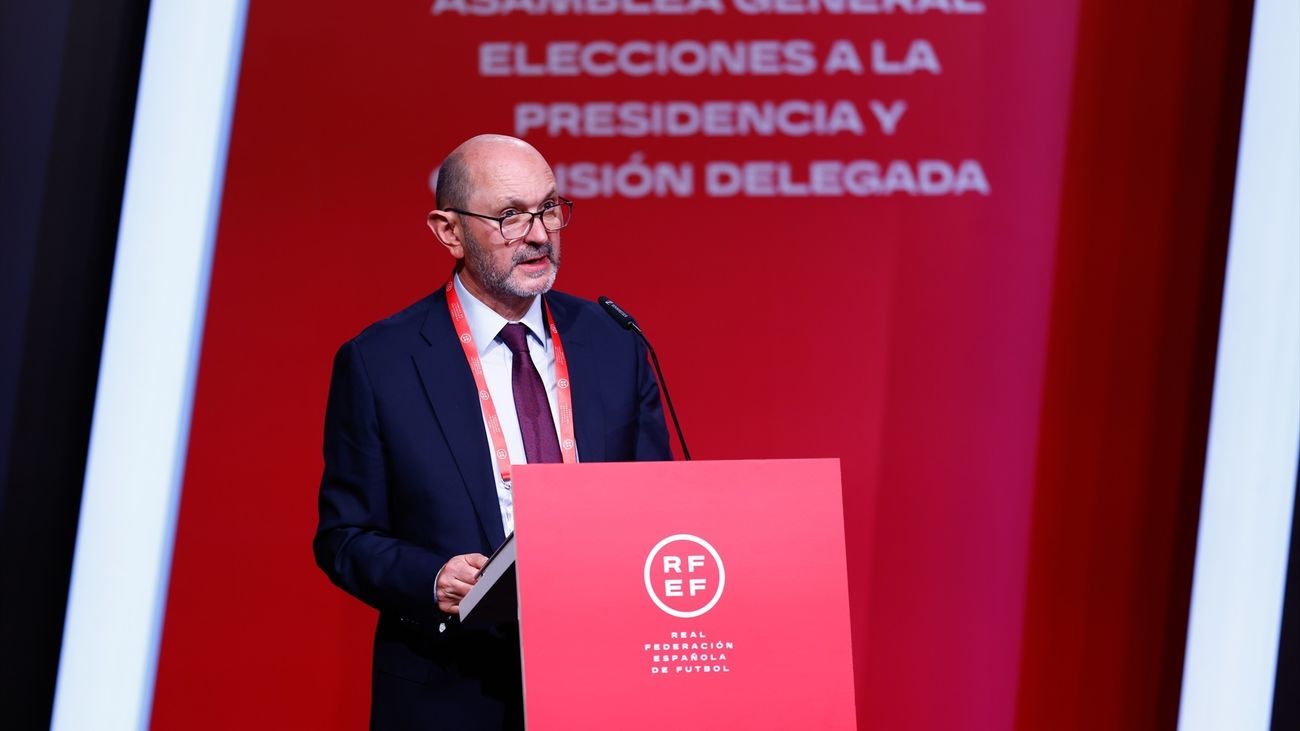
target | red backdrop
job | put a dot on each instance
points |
(1016, 379)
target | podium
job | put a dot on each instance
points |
(680, 595)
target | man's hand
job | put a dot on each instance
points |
(455, 579)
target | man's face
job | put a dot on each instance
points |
(506, 182)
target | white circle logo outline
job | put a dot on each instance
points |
(722, 575)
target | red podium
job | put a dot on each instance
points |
(683, 595)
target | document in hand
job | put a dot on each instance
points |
(494, 597)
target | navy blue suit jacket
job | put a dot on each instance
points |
(408, 483)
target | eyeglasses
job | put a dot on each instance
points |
(555, 216)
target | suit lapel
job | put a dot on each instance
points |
(451, 391)
(588, 409)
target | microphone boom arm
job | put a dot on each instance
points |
(628, 323)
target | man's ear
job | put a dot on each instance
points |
(444, 225)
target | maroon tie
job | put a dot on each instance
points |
(531, 406)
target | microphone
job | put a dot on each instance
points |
(621, 317)
(627, 322)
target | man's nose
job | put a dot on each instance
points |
(537, 233)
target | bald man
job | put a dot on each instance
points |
(413, 497)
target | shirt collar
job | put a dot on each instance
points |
(485, 324)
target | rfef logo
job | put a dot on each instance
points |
(684, 575)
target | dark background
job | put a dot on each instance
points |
(67, 97)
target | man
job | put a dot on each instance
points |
(413, 495)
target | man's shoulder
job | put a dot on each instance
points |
(582, 314)
(402, 325)
(572, 313)
(570, 302)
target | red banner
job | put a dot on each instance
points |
(862, 197)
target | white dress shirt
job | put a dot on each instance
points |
(485, 324)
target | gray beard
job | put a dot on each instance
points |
(500, 282)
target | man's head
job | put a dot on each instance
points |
(497, 176)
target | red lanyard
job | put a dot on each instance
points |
(568, 446)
